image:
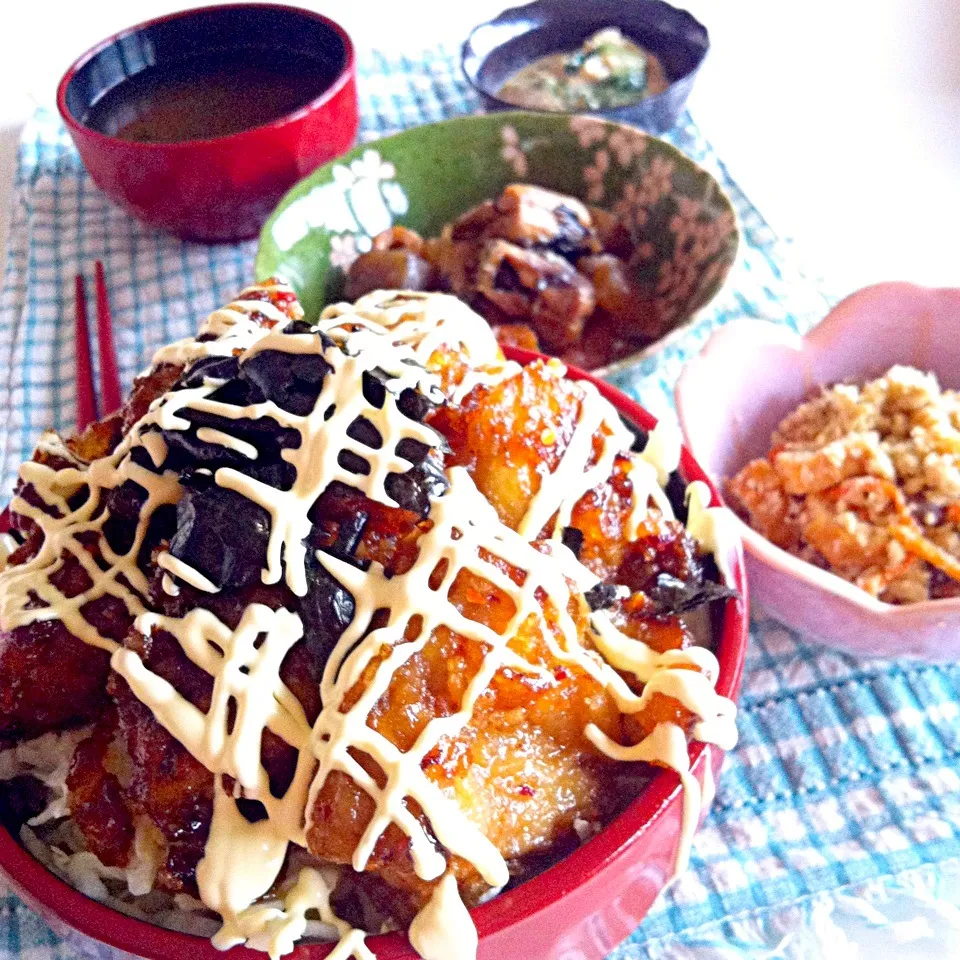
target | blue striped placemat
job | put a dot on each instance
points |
(844, 790)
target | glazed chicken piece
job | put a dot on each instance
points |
(530, 217)
(542, 268)
(154, 383)
(542, 289)
(522, 769)
(509, 435)
(165, 785)
(49, 678)
(96, 799)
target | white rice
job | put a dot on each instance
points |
(55, 841)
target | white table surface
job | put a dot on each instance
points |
(840, 118)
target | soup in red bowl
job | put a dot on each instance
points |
(198, 122)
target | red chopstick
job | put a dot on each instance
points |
(86, 396)
(109, 372)
(110, 398)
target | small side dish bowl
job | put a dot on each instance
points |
(220, 188)
(749, 376)
(424, 178)
(581, 907)
(497, 49)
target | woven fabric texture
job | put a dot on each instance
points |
(847, 771)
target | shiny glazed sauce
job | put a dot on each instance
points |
(199, 99)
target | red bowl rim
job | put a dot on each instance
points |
(329, 93)
(103, 923)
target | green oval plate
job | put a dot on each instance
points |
(427, 176)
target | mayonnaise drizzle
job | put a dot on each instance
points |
(186, 573)
(312, 892)
(63, 539)
(711, 527)
(226, 882)
(428, 322)
(208, 435)
(425, 322)
(649, 474)
(65, 530)
(443, 929)
(324, 438)
(395, 334)
(245, 665)
(229, 329)
(559, 491)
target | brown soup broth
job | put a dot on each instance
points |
(198, 99)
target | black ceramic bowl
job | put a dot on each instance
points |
(497, 49)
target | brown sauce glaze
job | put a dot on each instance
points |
(199, 99)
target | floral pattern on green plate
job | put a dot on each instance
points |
(425, 177)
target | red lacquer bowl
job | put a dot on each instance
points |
(582, 907)
(222, 189)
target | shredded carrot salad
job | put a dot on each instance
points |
(864, 481)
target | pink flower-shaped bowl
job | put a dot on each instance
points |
(751, 374)
(581, 907)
